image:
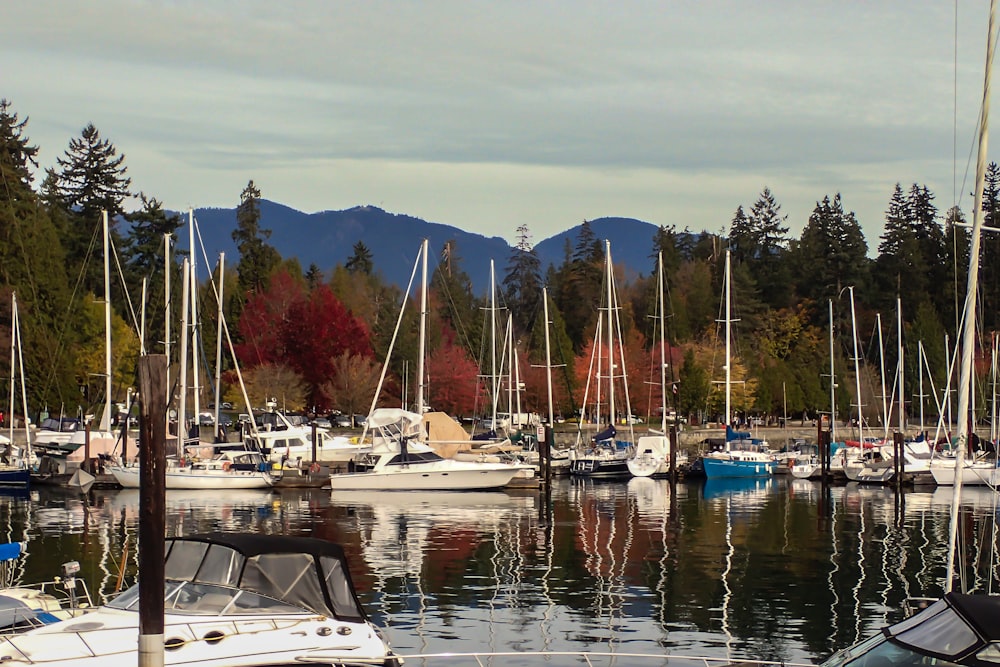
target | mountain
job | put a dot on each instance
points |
(327, 238)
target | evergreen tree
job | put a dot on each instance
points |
(257, 258)
(579, 293)
(360, 260)
(457, 306)
(758, 240)
(33, 265)
(989, 264)
(92, 178)
(831, 254)
(523, 282)
(142, 257)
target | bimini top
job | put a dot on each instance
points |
(303, 571)
(960, 629)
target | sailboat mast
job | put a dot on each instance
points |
(218, 341)
(663, 347)
(16, 328)
(968, 342)
(833, 381)
(182, 407)
(881, 363)
(729, 319)
(611, 346)
(494, 384)
(857, 360)
(106, 417)
(166, 311)
(902, 352)
(548, 355)
(423, 328)
(193, 303)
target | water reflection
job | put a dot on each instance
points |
(771, 568)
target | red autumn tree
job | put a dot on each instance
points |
(305, 330)
(452, 376)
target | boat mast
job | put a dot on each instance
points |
(106, 417)
(611, 346)
(881, 362)
(218, 342)
(663, 356)
(423, 328)
(729, 377)
(548, 355)
(193, 302)
(494, 383)
(968, 342)
(182, 407)
(857, 360)
(166, 314)
(16, 327)
(833, 382)
(902, 352)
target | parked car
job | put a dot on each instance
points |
(342, 421)
(322, 422)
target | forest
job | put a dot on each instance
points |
(315, 340)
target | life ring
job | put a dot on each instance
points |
(225, 466)
(314, 468)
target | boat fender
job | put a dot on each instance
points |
(225, 466)
(314, 468)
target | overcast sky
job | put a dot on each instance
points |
(487, 115)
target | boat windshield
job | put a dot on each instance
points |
(185, 597)
(879, 651)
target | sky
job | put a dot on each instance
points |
(491, 115)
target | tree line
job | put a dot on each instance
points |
(315, 339)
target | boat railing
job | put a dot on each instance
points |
(590, 658)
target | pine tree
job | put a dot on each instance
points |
(142, 257)
(92, 178)
(523, 282)
(830, 255)
(257, 258)
(360, 260)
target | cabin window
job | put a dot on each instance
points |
(221, 565)
(345, 606)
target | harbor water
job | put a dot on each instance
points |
(775, 569)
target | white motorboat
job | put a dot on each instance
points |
(229, 469)
(230, 600)
(399, 461)
(293, 446)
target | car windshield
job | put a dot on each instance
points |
(185, 597)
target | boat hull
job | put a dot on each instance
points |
(128, 477)
(415, 479)
(737, 468)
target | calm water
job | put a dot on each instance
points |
(770, 569)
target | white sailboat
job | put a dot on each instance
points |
(605, 455)
(652, 452)
(400, 458)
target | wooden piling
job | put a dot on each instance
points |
(152, 505)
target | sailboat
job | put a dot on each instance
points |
(605, 455)
(400, 458)
(959, 628)
(14, 472)
(66, 464)
(743, 456)
(652, 452)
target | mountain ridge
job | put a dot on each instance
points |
(326, 238)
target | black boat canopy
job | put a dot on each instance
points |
(304, 571)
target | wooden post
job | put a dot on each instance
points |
(545, 453)
(152, 505)
(86, 446)
(315, 439)
(673, 451)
